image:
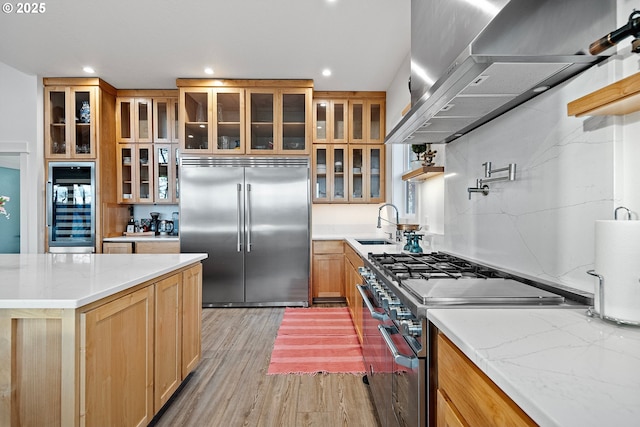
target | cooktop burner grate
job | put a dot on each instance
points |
(433, 265)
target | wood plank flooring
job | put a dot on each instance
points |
(230, 387)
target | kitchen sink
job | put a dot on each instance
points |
(375, 242)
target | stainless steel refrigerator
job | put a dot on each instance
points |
(252, 216)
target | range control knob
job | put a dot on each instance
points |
(412, 328)
(400, 313)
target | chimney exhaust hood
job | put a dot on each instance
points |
(472, 60)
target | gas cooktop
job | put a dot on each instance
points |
(443, 279)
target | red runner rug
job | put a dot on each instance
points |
(313, 340)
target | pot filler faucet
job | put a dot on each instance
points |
(398, 232)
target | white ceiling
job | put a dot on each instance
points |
(147, 44)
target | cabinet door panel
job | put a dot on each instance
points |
(191, 318)
(117, 371)
(168, 343)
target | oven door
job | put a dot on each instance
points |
(377, 362)
(407, 380)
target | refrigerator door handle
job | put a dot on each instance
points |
(239, 219)
(248, 203)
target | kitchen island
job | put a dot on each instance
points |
(95, 339)
(560, 367)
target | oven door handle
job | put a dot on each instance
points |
(410, 362)
(374, 313)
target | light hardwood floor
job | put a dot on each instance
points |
(230, 387)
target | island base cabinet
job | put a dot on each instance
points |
(113, 362)
(117, 369)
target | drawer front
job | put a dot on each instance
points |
(328, 247)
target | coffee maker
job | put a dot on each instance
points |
(153, 225)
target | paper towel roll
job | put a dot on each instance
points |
(617, 259)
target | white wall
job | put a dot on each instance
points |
(21, 124)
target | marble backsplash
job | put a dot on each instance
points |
(541, 224)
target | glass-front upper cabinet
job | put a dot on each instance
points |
(367, 121)
(330, 121)
(213, 120)
(261, 127)
(366, 182)
(229, 129)
(70, 129)
(330, 166)
(295, 106)
(196, 116)
(165, 173)
(165, 120)
(134, 120)
(135, 173)
(278, 121)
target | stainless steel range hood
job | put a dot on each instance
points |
(472, 60)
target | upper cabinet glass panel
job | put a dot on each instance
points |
(294, 125)
(58, 123)
(229, 125)
(261, 122)
(165, 120)
(196, 120)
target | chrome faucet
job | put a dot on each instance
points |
(398, 233)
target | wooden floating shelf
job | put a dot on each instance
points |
(621, 97)
(423, 173)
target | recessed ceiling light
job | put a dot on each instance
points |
(326, 72)
(208, 70)
(540, 89)
(89, 70)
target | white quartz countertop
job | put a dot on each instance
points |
(142, 239)
(560, 366)
(73, 280)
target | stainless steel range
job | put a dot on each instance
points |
(398, 290)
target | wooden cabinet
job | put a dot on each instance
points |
(330, 125)
(366, 173)
(134, 120)
(79, 124)
(328, 270)
(366, 121)
(446, 415)
(155, 247)
(467, 397)
(168, 343)
(212, 120)
(191, 318)
(135, 173)
(278, 121)
(330, 173)
(165, 120)
(147, 150)
(117, 361)
(353, 279)
(178, 330)
(142, 247)
(355, 121)
(117, 248)
(271, 117)
(70, 122)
